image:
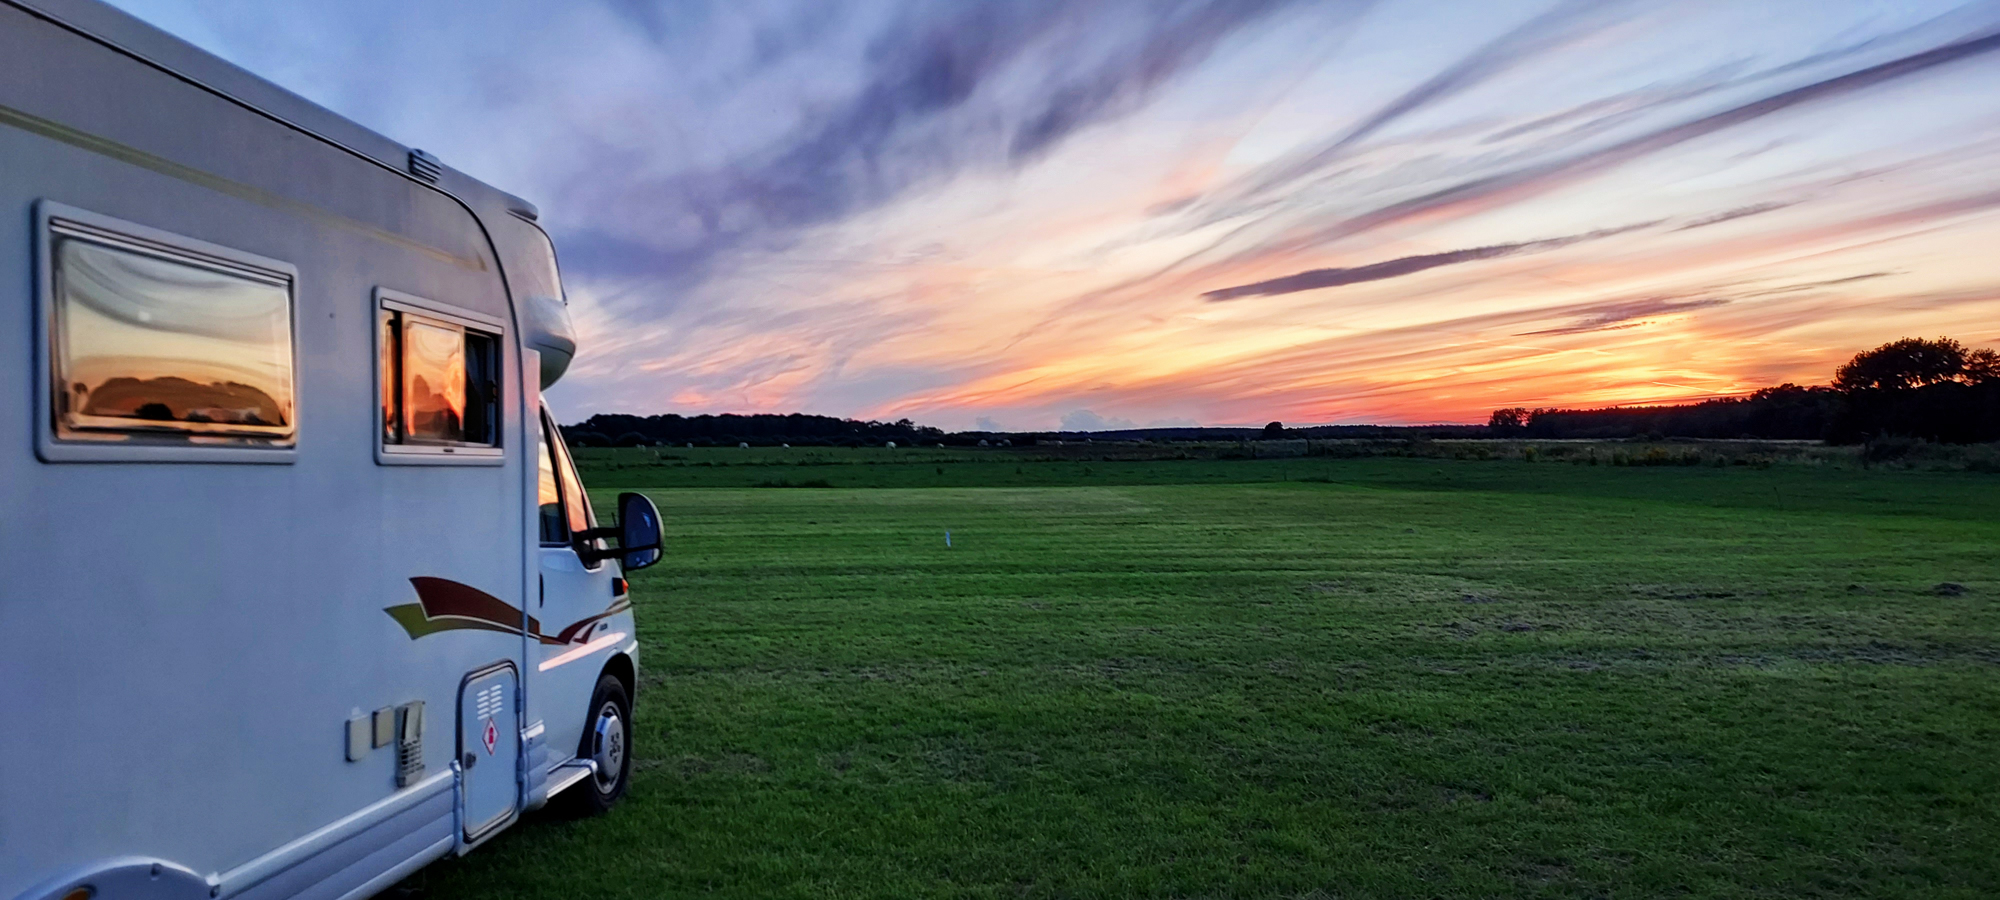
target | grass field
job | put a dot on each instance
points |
(1296, 677)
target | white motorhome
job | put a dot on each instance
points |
(299, 586)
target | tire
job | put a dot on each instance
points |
(607, 739)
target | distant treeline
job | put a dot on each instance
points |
(1273, 431)
(1786, 412)
(1934, 390)
(1913, 388)
(615, 429)
(1944, 413)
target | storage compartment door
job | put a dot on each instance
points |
(489, 751)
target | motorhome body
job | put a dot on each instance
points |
(302, 589)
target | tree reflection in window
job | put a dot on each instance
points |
(440, 383)
(433, 382)
(154, 348)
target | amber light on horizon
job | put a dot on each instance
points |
(1214, 212)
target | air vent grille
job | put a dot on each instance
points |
(409, 743)
(425, 166)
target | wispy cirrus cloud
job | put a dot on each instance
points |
(1406, 265)
(1027, 210)
(1627, 313)
(1521, 183)
(936, 93)
(1731, 215)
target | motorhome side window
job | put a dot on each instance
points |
(576, 504)
(440, 382)
(151, 346)
(555, 528)
(565, 509)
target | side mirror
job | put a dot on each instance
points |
(638, 534)
(639, 539)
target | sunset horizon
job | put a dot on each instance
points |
(1001, 448)
(1214, 213)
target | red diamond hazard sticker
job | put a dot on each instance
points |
(490, 737)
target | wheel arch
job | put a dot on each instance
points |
(621, 667)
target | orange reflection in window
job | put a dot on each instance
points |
(433, 382)
(554, 528)
(391, 415)
(146, 344)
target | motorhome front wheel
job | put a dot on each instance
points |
(607, 742)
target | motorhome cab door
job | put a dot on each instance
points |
(576, 599)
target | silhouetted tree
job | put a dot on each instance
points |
(1982, 366)
(1274, 431)
(1913, 388)
(1908, 363)
(1508, 421)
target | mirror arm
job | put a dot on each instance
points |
(583, 541)
(592, 555)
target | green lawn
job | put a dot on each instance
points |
(1299, 677)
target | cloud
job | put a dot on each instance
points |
(1401, 266)
(1003, 211)
(1733, 214)
(1541, 177)
(1565, 22)
(1395, 268)
(1620, 314)
(1132, 71)
(1813, 285)
(1565, 26)
(935, 91)
(986, 423)
(1085, 420)
(1445, 174)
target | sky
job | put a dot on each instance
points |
(1052, 213)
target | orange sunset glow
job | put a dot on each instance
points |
(1228, 213)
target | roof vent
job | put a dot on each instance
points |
(425, 166)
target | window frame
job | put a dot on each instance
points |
(436, 454)
(53, 220)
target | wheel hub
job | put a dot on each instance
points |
(607, 743)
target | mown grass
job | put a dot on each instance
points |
(1299, 677)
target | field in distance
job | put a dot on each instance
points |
(1292, 677)
(1242, 462)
